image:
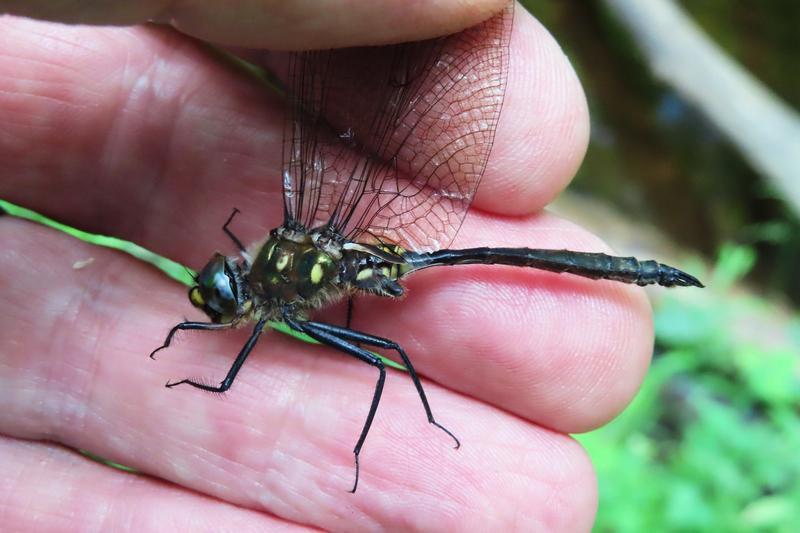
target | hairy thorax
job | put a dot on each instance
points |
(291, 272)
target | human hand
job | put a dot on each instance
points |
(141, 133)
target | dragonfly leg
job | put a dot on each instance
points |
(237, 364)
(320, 334)
(380, 342)
(190, 326)
(231, 235)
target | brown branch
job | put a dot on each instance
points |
(764, 129)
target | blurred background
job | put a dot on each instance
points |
(695, 158)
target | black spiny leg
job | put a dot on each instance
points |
(189, 326)
(334, 341)
(342, 339)
(237, 364)
(380, 342)
(230, 234)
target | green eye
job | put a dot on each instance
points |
(216, 290)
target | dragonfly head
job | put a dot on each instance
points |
(220, 290)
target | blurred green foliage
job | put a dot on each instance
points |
(711, 442)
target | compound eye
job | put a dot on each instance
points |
(215, 291)
(217, 288)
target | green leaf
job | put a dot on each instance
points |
(733, 264)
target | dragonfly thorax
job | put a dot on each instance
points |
(289, 271)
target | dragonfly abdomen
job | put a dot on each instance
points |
(586, 264)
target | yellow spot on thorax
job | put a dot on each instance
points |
(316, 273)
(282, 262)
(364, 274)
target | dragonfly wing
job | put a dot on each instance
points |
(389, 143)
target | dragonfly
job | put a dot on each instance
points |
(383, 150)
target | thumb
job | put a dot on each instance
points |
(275, 24)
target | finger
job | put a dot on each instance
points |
(47, 488)
(183, 139)
(300, 24)
(281, 440)
(543, 131)
(566, 352)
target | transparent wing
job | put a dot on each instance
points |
(390, 142)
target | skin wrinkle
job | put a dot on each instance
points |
(218, 461)
(47, 41)
(188, 222)
(403, 522)
(25, 60)
(605, 368)
(330, 492)
(110, 508)
(554, 487)
(430, 447)
(563, 503)
(142, 499)
(153, 196)
(68, 425)
(471, 344)
(275, 430)
(467, 344)
(12, 483)
(464, 476)
(42, 98)
(474, 342)
(98, 418)
(206, 458)
(159, 66)
(269, 442)
(252, 392)
(304, 506)
(278, 505)
(88, 296)
(608, 368)
(66, 406)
